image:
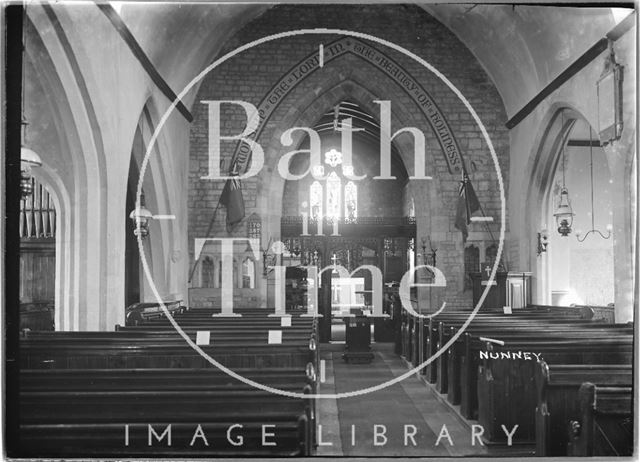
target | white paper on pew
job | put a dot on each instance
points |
(507, 309)
(285, 321)
(488, 283)
(275, 336)
(203, 337)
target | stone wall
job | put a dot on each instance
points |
(251, 75)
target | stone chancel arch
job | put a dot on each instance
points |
(295, 90)
(372, 55)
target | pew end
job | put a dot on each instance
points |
(605, 427)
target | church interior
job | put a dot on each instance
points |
(275, 230)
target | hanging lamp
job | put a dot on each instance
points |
(564, 213)
(141, 217)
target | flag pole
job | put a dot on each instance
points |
(211, 222)
(486, 224)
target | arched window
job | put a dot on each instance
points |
(350, 200)
(491, 253)
(207, 272)
(335, 199)
(315, 200)
(334, 187)
(471, 264)
(218, 274)
(248, 274)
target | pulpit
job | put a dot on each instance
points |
(497, 296)
(511, 288)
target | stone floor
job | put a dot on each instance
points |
(414, 419)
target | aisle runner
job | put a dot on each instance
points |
(391, 408)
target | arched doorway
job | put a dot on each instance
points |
(578, 264)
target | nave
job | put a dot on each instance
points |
(412, 166)
(531, 383)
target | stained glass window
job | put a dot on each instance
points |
(351, 200)
(333, 158)
(331, 200)
(318, 171)
(315, 200)
(334, 186)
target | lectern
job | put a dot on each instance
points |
(358, 339)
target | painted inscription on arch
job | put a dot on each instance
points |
(392, 69)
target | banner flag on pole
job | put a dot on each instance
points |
(467, 205)
(232, 199)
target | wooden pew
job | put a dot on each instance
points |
(151, 313)
(235, 342)
(437, 372)
(442, 328)
(451, 381)
(505, 387)
(228, 334)
(158, 379)
(54, 421)
(409, 326)
(148, 374)
(605, 427)
(138, 313)
(562, 336)
(553, 328)
(557, 395)
(211, 379)
(158, 353)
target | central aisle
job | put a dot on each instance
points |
(406, 407)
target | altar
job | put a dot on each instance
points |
(383, 243)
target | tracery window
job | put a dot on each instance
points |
(491, 253)
(350, 200)
(315, 200)
(207, 272)
(336, 198)
(334, 187)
